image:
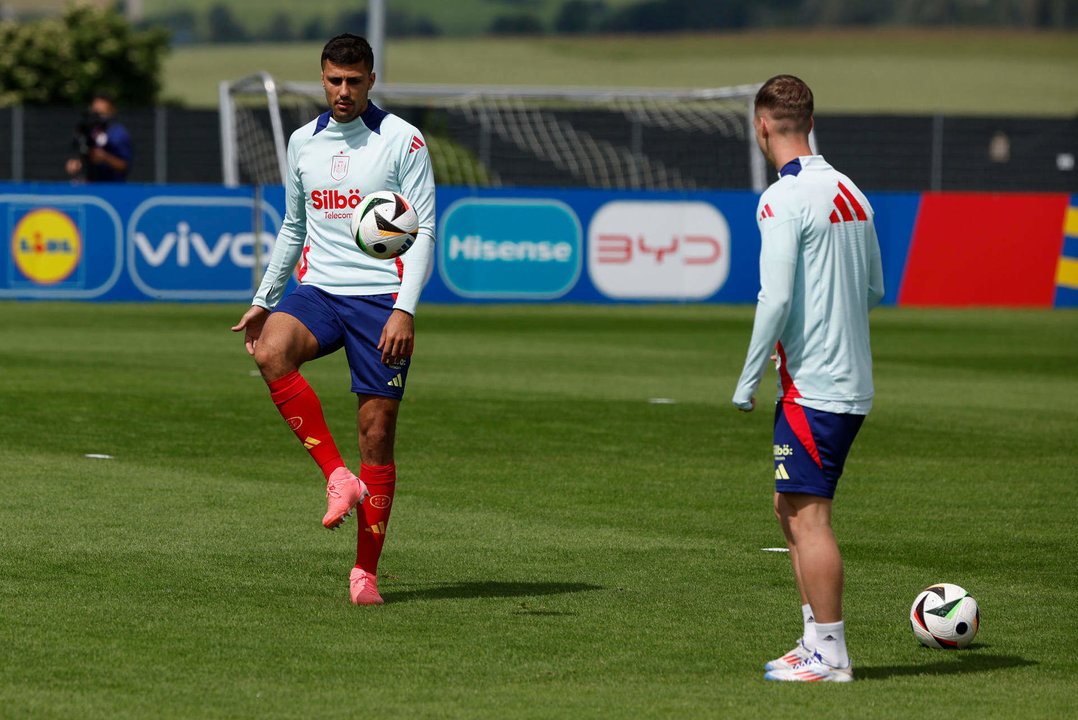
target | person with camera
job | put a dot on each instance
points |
(103, 145)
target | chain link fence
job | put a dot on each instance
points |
(883, 152)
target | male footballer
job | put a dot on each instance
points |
(820, 274)
(345, 298)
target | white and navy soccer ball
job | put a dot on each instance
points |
(384, 225)
(945, 616)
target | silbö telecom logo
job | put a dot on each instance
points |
(510, 249)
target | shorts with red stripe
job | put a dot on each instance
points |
(811, 448)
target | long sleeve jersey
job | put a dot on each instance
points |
(331, 167)
(820, 274)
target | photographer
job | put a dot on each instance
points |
(103, 145)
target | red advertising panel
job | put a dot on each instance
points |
(980, 249)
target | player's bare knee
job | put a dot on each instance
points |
(272, 360)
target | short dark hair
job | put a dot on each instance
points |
(348, 49)
(787, 97)
(104, 95)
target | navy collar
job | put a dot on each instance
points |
(372, 117)
(791, 168)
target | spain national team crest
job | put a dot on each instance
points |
(339, 169)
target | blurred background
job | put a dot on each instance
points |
(588, 119)
(911, 94)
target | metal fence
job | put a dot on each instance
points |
(882, 152)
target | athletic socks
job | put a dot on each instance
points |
(301, 409)
(831, 644)
(808, 635)
(381, 480)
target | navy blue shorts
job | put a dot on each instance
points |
(811, 448)
(355, 323)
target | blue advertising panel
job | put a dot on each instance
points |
(133, 242)
(526, 249)
(197, 243)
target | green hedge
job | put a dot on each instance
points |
(60, 61)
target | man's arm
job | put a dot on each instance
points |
(875, 267)
(289, 243)
(100, 156)
(416, 180)
(778, 264)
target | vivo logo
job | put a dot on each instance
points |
(198, 248)
(239, 247)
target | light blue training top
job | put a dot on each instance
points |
(331, 167)
(820, 274)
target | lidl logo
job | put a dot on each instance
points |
(513, 248)
(46, 246)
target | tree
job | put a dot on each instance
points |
(65, 61)
(579, 16)
(280, 28)
(224, 28)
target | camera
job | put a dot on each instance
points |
(89, 128)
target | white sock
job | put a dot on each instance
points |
(831, 644)
(808, 635)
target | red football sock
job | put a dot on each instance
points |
(301, 409)
(381, 480)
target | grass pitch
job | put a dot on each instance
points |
(561, 546)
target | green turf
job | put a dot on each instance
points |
(560, 548)
(870, 71)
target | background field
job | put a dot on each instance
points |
(561, 547)
(973, 72)
(459, 17)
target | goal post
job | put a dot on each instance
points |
(501, 136)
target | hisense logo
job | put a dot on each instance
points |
(475, 248)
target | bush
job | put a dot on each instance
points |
(64, 61)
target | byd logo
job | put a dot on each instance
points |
(658, 250)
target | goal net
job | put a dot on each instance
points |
(494, 136)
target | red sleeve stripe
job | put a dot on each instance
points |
(843, 208)
(853, 201)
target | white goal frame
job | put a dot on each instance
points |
(447, 96)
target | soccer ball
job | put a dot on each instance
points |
(945, 616)
(384, 225)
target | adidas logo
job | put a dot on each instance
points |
(396, 382)
(766, 213)
(311, 442)
(379, 529)
(416, 144)
(829, 638)
(780, 472)
(843, 209)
